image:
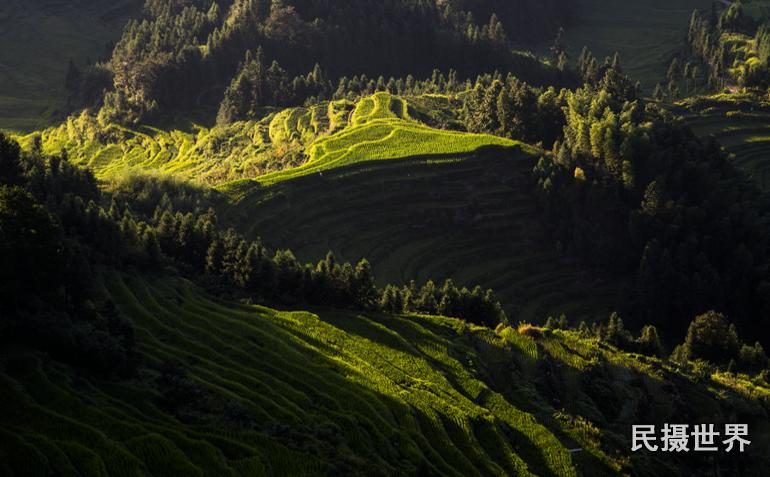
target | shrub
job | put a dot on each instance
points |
(753, 357)
(649, 342)
(710, 337)
(616, 333)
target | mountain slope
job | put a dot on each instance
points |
(470, 218)
(284, 144)
(741, 124)
(228, 389)
(38, 38)
(353, 389)
(646, 33)
(380, 128)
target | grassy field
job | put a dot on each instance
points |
(646, 33)
(275, 393)
(742, 126)
(38, 38)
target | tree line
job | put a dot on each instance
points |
(710, 338)
(59, 232)
(722, 61)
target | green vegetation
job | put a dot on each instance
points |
(741, 123)
(647, 33)
(229, 59)
(318, 137)
(634, 191)
(469, 218)
(733, 44)
(206, 156)
(381, 129)
(228, 389)
(372, 237)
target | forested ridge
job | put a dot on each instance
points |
(405, 237)
(184, 55)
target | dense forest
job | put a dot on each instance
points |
(627, 187)
(184, 56)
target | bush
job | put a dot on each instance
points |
(710, 337)
(753, 357)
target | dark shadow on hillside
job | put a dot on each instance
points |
(378, 419)
(472, 219)
(484, 152)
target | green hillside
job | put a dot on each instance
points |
(444, 203)
(470, 218)
(741, 124)
(204, 155)
(315, 138)
(646, 33)
(232, 390)
(382, 129)
(38, 38)
(449, 204)
(370, 238)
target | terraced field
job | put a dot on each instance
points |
(468, 217)
(236, 390)
(646, 33)
(380, 128)
(38, 38)
(742, 126)
(372, 393)
(289, 143)
(421, 203)
(207, 156)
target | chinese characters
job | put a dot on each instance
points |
(680, 438)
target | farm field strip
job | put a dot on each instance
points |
(377, 377)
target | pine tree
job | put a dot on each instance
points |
(658, 92)
(214, 257)
(427, 300)
(151, 247)
(559, 47)
(409, 297)
(365, 289)
(649, 341)
(616, 333)
(563, 323)
(674, 71)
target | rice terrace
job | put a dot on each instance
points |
(384, 238)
